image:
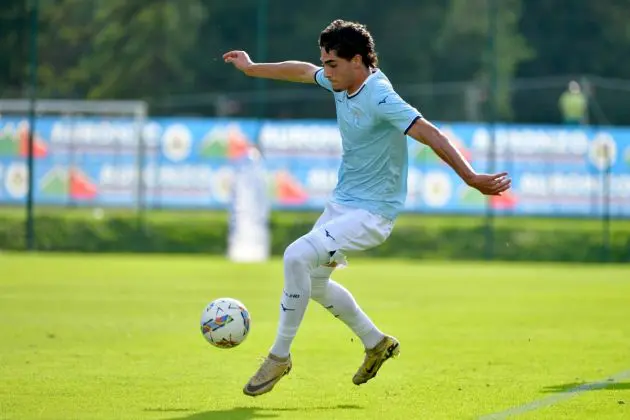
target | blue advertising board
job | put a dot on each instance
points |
(189, 163)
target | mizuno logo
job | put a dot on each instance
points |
(383, 101)
(328, 235)
(284, 308)
(291, 295)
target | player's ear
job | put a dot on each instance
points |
(357, 60)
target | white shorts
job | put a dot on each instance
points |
(341, 228)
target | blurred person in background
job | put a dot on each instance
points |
(573, 105)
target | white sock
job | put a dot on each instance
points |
(340, 303)
(300, 258)
(372, 338)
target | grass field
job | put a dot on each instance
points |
(117, 337)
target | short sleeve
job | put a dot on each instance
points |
(390, 107)
(322, 81)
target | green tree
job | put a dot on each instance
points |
(14, 32)
(417, 42)
(138, 48)
(117, 48)
(573, 39)
(156, 49)
(65, 36)
(463, 43)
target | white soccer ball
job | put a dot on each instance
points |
(225, 323)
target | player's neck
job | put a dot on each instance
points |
(362, 75)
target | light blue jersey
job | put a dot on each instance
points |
(373, 122)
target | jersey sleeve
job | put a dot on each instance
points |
(389, 106)
(321, 81)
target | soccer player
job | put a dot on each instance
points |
(371, 190)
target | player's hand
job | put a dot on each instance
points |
(240, 59)
(491, 184)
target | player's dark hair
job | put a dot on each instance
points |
(348, 39)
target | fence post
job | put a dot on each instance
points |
(606, 174)
(30, 228)
(492, 117)
(261, 50)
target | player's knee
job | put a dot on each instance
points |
(293, 257)
(301, 255)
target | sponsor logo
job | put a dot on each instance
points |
(300, 140)
(568, 186)
(602, 152)
(173, 180)
(531, 143)
(14, 141)
(176, 142)
(16, 180)
(437, 189)
(225, 141)
(103, 137)
(62, 181)
(287, 189)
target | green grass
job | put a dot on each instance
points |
(117, 337)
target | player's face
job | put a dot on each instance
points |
(339, 71)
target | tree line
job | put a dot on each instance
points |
(158, 50)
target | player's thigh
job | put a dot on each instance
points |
(354, 230)
(331, 211)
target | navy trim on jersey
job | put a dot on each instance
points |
(412, 123)
(355, 93)
(372, 73)
(315, 78)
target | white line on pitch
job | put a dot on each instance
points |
(551, 400)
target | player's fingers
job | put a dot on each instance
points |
(231, 58)
(230, 54)
(503, 186)
(492, 188)
(496, 179)
(502, 181)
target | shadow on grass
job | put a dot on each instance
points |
(586, 386)
(246, 413)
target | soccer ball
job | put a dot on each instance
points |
(225, 323)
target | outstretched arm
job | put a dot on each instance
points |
(290, 71)
(489, 184)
